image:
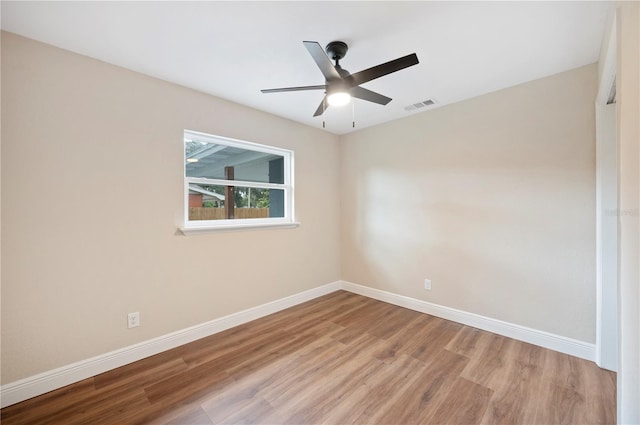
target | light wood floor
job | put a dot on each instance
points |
(339, 359)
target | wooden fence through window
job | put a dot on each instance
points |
(202, 213)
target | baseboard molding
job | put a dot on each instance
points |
(33, 386)
(548, 340)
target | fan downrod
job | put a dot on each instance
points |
(336, 50)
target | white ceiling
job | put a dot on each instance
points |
(233, 49)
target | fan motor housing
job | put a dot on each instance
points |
(336, 50)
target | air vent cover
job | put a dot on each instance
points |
(419, 105)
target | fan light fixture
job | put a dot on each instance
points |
(339, 84)
(339, 98)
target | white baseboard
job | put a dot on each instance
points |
(47, 381)
(562, 344)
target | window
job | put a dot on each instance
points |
(234, 184)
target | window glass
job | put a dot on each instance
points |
(209, 160)
(208, 202)
(230, 182)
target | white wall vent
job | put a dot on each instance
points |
(419, 105)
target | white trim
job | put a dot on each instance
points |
(194, 229)
(548, 340)
(236, 183)
(47, 381)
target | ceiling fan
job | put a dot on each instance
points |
(339, 84)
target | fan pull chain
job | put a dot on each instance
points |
(353, 114)
(324, 109)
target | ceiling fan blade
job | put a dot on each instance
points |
(322, 87)
(371, 96)
(322, 107)
(383, 69)
(322, 60)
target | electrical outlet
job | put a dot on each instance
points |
(133, 320)
(427, 284)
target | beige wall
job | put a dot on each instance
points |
(491, 198)
(628, 91)
(92, 195)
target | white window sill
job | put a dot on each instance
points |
(194, 230)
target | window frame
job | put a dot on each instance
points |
(288, 220)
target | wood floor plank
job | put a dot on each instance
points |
(386, 388)
(369, 387)
(233, 345)
(194, 416)
(299, 373)
(566, 384)
(103, 411)
(516, 392)
(600, 394)
(264, 355)
(341, 358)
(465, 403)
(436, 339)
(491, 366)
(330, 309)
(563, 370)
(365, 316)
(469, 342)
(256, 411)
(32, 410)
(327, 393)
(560, 405)
(274, 378)
(388, 325)
(419, 401)
(342, 363)
(103, 407)
(144, 372)
(191, 384)
(407, 337)
(190, 414)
